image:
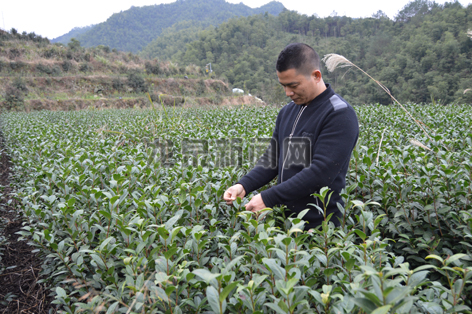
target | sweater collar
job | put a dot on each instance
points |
(321, 98)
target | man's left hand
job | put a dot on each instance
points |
(256, 204)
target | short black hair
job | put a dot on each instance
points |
(300, 57)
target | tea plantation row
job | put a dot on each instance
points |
(126, 206)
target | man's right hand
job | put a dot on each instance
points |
(233, 192)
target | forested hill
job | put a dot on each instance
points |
(133, 29)
(74, 33)
(423, 55)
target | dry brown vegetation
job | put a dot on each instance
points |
(37, 75)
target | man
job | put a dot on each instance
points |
(311, 145)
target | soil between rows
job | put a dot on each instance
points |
(20, 291)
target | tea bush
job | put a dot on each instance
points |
(127, 207)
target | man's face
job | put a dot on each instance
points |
(299, 87)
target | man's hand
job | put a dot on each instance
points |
(233, 192)
(256, 204)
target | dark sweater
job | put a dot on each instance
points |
(328, 126)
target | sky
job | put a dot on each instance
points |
(53, 18)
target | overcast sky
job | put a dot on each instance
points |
(53, 18)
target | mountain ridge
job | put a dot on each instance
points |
(133, 29)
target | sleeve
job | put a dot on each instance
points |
(266, 167)
(331, 151)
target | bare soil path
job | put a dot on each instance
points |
(20, 291)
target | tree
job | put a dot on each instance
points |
(74, 44)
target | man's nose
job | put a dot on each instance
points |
(288, 91)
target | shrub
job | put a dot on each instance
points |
(122, 69)
(85, 67)
(14, 99)
(152, 68)
(19, 84)
(137, 82)
(43, 68)
(117, 84)
(173, 68)
(56, 70)
(102, 60)
(74, 44)
(167, 100)
(17, 65)
(216, 98)
(14, 53)
(200, 88)
(219, 87)
(154, 97)
(49, 53)
(66, 66)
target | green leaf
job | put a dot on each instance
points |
(396, 271)
(60, 246)
(435, 257)
(71, 202)
(278, 271)
(227, 290)
(98, 260)
(112, 308)
(283, 306)
(432, 308)
(365, 304)
(231, 264)
(382, 310)
(169, 290)
(170, 252)
(276, 308)
(349, 264)
(454, 257)
(360, 234)
(163, 232)
(105, 242)
(105, 214)
(61, 292)
(213, 299)
(397, 294)
(329, 271)
(316, 295)
(424, 267)
(303, 213)
(205, 274)
(114, 199)
(458, 309)
(417, 278)
(378, 220)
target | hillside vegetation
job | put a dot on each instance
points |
(35, 74)
(133, 29)
(424, 55)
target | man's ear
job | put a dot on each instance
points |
(316, 74)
